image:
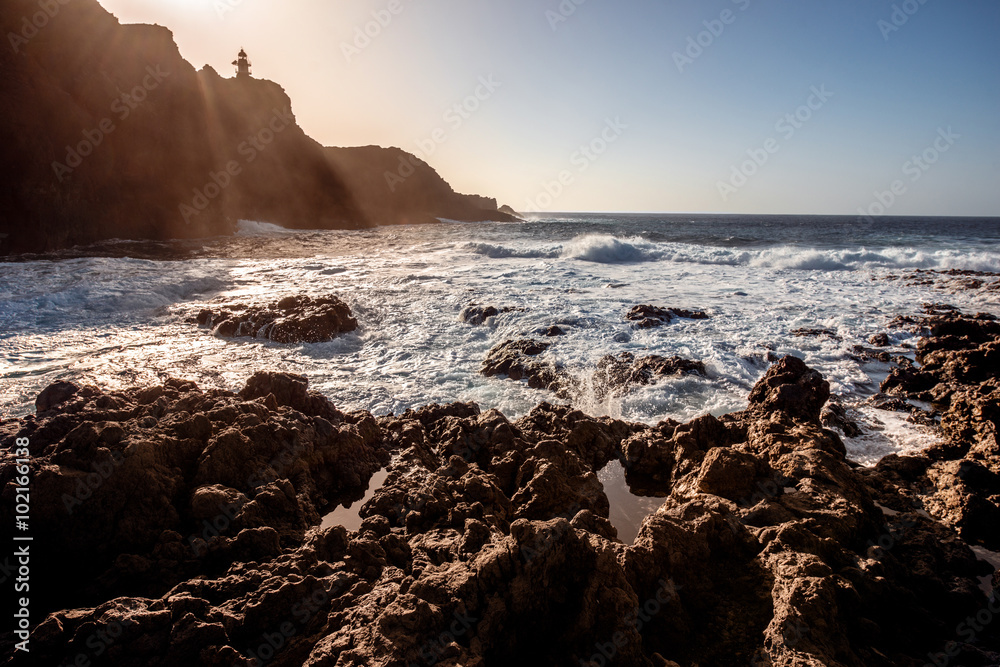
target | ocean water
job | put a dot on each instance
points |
(116, 314)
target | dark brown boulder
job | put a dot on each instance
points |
(517, 360)
(294, 319)
(648, 317)
(618, 374)
(791, 387)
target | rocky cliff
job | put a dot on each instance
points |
(108, 132)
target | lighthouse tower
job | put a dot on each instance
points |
(242, 64)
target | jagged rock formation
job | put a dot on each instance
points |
(958, 373)
(518, 359)
(109, 133)
(294, 319)
(618, 374)
(489, 541)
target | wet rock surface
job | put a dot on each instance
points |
(477, 315)
(649, 317)
(294, 319)
(959, 362)
(817, 333)
(519, 359)
(489, 542)
(617, 374)
(951, 280)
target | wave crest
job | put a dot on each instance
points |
(607, 249)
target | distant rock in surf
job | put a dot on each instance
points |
(618, 374)
(648, 317)
(294, 319)
(477, 315)
(817, 333)
(517, 359)
(879, 340)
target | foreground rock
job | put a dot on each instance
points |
(294, 319)
(648, 317)
(489, 543)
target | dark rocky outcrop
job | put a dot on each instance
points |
(518, 359)
(958, 362)
(489, 540)
(109, 133)
(816, 333)
(648, 317)
(477, 315)
(879, 340)
(294, 319)
(836, 416)
(618, 374)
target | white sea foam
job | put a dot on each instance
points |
(124, 322)
(606, 249)
(253, 228)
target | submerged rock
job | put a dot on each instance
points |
(294, 319)
(817, 333)
(835, 415)
(517, 359)
(477, 315)
(648, 317)
(618, 374)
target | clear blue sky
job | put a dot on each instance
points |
(891, 94)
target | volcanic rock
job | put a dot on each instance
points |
(648, 317)
(517, 359)
(490, 540)
(618, 374)
(294, 319)
(477, 315)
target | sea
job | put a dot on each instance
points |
(118, 314)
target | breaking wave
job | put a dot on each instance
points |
(605, 249)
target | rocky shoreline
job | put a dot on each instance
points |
(180, 525)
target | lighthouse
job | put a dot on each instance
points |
(242, 64)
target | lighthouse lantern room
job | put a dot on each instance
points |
(242, 64)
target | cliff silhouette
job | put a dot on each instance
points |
(108, 132)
